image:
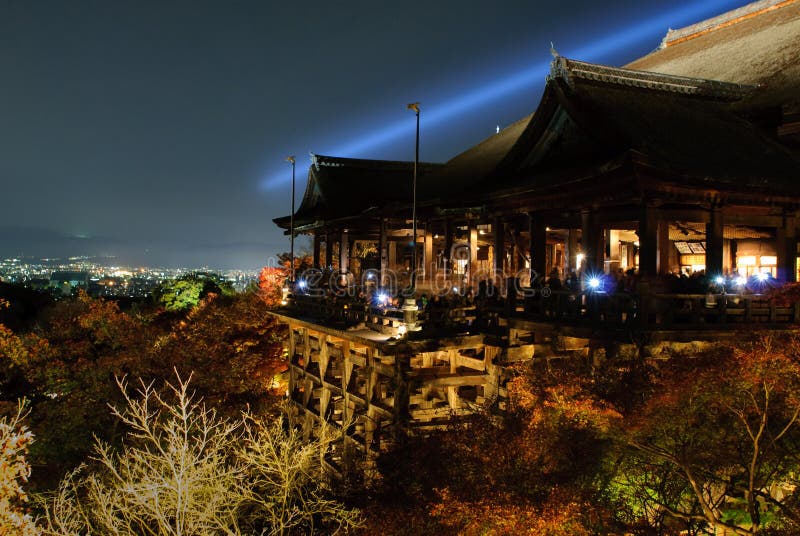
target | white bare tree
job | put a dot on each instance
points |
(185, 471)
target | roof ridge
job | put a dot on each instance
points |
(505, 131)
(726, 19)
(319, 160)
(569, 70)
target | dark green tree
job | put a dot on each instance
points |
(185, 292)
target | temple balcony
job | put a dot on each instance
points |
(615, 316)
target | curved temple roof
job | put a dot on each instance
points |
(340, 188)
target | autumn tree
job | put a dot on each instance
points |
(186, 291)
(68, 370)
(302, 261)
(530, 469)
(718, 445)
(15, 439)
(235, 349)
(271, 282)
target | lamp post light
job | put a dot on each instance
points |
(414, 106)
(291, 225)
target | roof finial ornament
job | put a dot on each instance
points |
(553, 50)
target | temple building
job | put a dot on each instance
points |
(681, 161)
(668, 189)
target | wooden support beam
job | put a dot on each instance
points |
(323, 355)
(648, 241)
(572, 252)
(292, 372)
(592, 242)
(383, 254)
(786, 246)
(714, 241)
(664, 246)
(538, 247)
(449, 230)
(473, 253)
(457, 380)
(306, 349)
(329, 250)
(344, 251)
(498, 227)
(469, 362)
(316, 262)
(429, 261)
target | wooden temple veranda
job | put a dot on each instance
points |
(656, 202)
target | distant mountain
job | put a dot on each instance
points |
(37, 242)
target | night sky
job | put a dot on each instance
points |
(158, 131)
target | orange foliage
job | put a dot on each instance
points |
(504, 514)
(233, 347)
(787, 294)
(270, 284)
(528, 470)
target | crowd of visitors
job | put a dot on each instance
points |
(438, 307)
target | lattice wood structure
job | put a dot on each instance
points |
(373, 390)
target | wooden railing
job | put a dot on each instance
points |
(614, 310)
(659, 311)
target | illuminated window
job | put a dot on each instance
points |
(692, 260)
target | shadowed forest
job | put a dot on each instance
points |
(166, 417)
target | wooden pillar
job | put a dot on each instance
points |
(664, 246)
(429, 261)
(592, 243)
(449, 230)
(714, 243)
(329, 249)
(383, 254)
(347, 416)
(392, 254)
(519, 251)
(538, 247)
(499, 247)
(351, 254)
(401, 394)
(473, 252)
(292, 360)
(316, 249)
(648, 241)
(344, 251)
(572, 252)
(786, 249)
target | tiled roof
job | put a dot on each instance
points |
(760, 48)
(569, 70)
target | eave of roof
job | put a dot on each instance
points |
(341, 188)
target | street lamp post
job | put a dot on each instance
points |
(414, 106)
(291, 225)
